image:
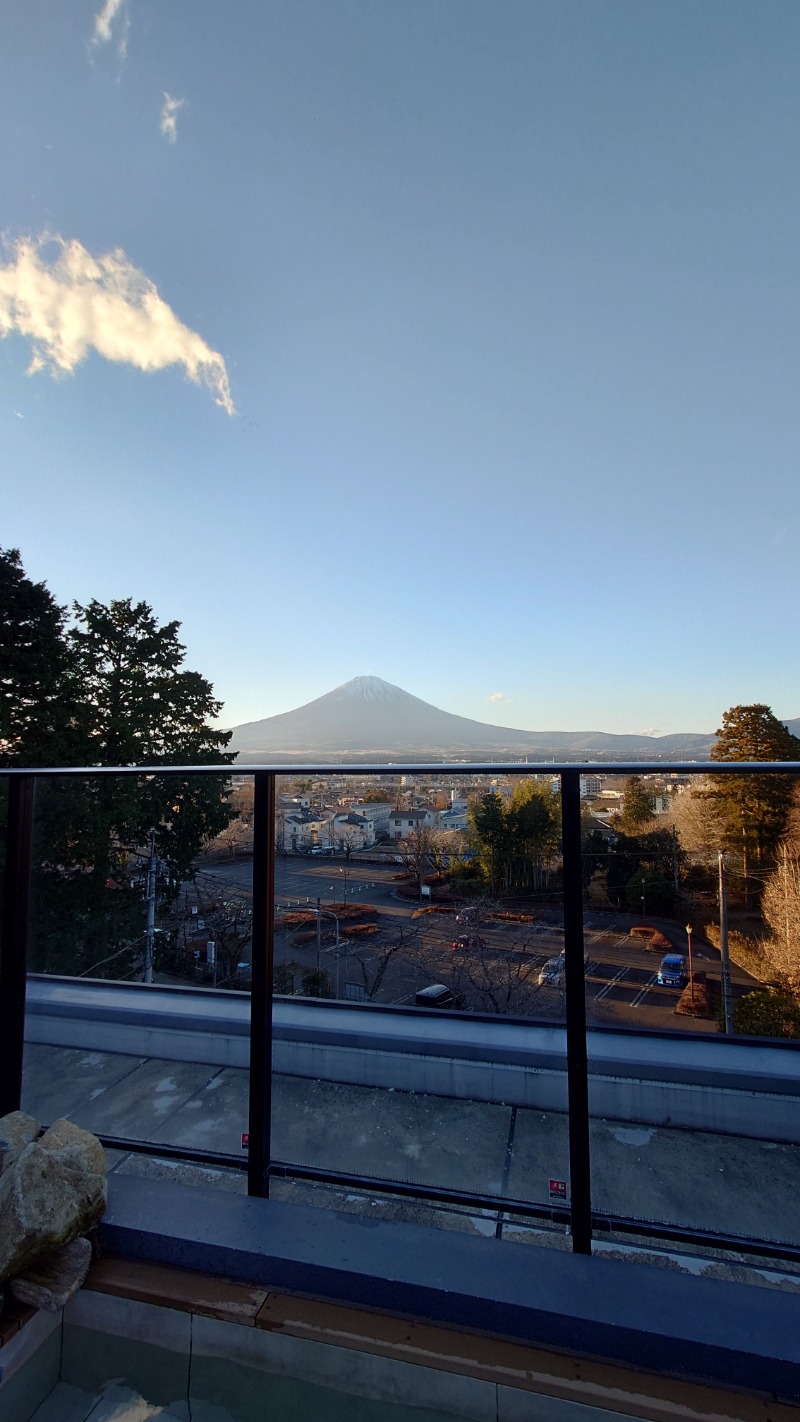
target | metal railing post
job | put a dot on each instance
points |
(261, 989)
(14, 943)
(575, 993)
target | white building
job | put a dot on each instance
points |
(378, 815)
(404, 822)
(591, 785)
(302, 829)
(351, 831)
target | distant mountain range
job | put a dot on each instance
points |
(369, 719)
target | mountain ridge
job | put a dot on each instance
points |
(370, 717)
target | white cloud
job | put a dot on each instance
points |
(113, 14)
(498, 696)
(67, 302)
(169, 117)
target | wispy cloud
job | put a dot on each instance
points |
(112, 23)
(67, 302)
(498, 696)
(169, 117)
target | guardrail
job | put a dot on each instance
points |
(13, 949)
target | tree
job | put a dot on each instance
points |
(234, 837)
(419, 848)
(489, 833)
(780, 906)
(514, 844)
(534, 825)
(34, 665)
(637, 806)
(491, 978)
(766, 1014)
(754, 808)
(636, 866)
(373, 957)
(347, 838)
(136, 706)
(696, 817)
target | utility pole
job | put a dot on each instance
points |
(723, 947)
(151, 910)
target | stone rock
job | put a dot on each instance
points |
(54, 1191)
(16, 1131)
(55, 1279)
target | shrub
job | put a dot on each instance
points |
(747, 952)
(766, 1014)
(650, 938)
(316, 983)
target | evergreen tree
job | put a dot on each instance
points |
(33, 669)
(135, 705)
(754, 808)
(637, 806)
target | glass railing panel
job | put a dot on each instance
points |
(466, 915)
(135, 1028)
(695, 1121)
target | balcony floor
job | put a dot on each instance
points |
(659, 1174)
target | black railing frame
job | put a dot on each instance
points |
(260, 1165)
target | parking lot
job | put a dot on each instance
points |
(621, 973)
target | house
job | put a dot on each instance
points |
(350, 831)
(302, 829)
(378, 815)
(404, 822)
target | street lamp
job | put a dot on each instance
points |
(644, 910)
(319, 911)
(345, 872)
(691, 973)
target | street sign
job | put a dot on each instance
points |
(558, 1190)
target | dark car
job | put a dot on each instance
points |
(437, 995)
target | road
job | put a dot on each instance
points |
(621, 986)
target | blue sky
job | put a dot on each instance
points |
(450, 342)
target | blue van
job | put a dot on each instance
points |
(672, 972)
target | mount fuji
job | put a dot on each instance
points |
(370, 719)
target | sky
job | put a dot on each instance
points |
(454, 343)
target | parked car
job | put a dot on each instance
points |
(672, 972)
(552, 974)
(437, 995)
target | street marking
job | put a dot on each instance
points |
(616, 978)
(640, 996)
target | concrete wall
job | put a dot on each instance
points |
(737, 1087)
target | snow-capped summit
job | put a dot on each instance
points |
(370, 688)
